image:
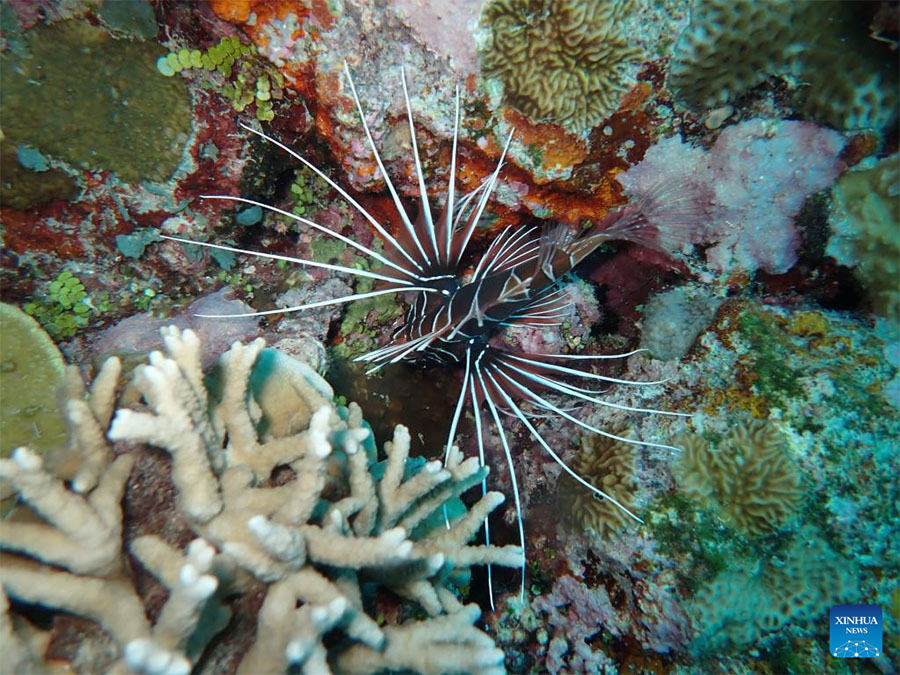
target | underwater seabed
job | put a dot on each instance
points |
(709, 190)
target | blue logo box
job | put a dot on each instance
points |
(855, 631)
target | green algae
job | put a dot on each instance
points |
(31, 372)
(257, 80)
(95, 102)
(65, 309)
(777, 381)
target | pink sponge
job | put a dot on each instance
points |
(750, 185)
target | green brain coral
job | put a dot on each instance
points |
(566, 62)
(95, 102)
(750, 476)
(31, 371)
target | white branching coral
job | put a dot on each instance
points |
(337, 524)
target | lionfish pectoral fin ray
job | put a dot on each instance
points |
(460, 403)
(590, 376)
(487, 532)
(321, 228)
(578, 392)
(384, 234)
(540, 439)
(534, 396)
(406, 283)
(423, 192)
(396, 198)
(311, 305)
(509, 463)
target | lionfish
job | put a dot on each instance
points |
(455, 316)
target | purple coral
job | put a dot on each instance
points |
(750, 184)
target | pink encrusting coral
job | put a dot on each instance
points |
(750, 185)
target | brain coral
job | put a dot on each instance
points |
(865, 223)
(564, 62)
(849, 80)
(608, 465)
(750, 476)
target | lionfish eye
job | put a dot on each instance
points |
(448, 286)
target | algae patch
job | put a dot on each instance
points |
(95, 102)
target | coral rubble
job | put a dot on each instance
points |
(318, 540)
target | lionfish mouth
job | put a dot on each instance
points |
(452, 318)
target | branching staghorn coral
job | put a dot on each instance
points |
(75, 561)
(750, 476)
(315, 552)
(605, 463)
(564, 62)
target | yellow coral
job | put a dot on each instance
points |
(750, 476)
(608, 465)
(564, 62)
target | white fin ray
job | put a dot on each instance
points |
(387, 179)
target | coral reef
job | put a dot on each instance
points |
(606, 464)
(849, 80)
(865, 222)
(31, 367)
(566, 62)
(745, 603)
(753, 324)
(317, 537)
(749, 475)
(749, 185)
(145, 122)
(674, 319)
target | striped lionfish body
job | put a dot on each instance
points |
(455, 317)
